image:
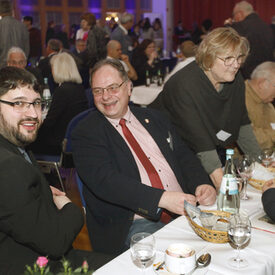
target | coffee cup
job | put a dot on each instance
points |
(180, 258)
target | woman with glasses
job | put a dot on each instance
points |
(206, 101)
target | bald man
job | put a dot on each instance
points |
(114, 50)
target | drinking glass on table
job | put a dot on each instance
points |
(266, 157)
(143, 249)
(239, 233)
(245, 169)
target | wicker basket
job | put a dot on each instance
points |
(209, 235)
(258, 184)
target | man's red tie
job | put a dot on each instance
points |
(150, 169)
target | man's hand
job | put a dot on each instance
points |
(60, 201)
(174, 201)
(205, 194)
(57, 192)
(216, 177)
(269, 184)
(228, 21)
(125, 58)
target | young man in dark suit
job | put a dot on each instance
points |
(35, 219)
(120, 192)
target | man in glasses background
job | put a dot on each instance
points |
(35, 219)
(259, 93)
(136, 171)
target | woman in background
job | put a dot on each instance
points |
(145, 59)
(69, 99)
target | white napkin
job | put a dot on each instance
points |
(261, 173)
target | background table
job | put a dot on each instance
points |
(260, 252)
(143, 95)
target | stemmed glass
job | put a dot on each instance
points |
(245, 168)
(266, 157)
(143, 249)
(239, 233)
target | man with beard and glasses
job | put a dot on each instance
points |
(35, 219)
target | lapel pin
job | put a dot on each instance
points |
(146, 120)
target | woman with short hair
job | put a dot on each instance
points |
(206, 101)
(69, 99)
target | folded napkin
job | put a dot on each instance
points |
(262, 173)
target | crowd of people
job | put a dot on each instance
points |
(138, 165)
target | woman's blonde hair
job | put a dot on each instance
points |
(218, 41)
(64, 68)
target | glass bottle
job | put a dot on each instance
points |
(229, 198)
(148, 80)
(46, 98)
(160, 80)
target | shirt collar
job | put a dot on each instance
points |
(127, 117)
(124, 30)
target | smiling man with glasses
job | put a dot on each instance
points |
(35, 219)
(136, 171)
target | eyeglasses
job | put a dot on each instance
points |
(228, 61)
(23, 106)
(112, 89)
(14, 63)
(271, 83)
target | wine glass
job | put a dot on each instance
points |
(266, 157)
(245, 168)
(143, 249)
(239, 233)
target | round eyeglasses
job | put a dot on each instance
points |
(229, 60)
(112, 89)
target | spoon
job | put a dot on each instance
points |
(203, 261)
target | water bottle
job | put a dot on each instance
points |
(148, 79)
(160, 79)
(46, 98)
(229, 198)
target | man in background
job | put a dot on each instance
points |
(17, 58)
(259, 34)
(120, 33)
(12, 32)
(187, 49)
(114, 51)
(260, 92)
(35, 41)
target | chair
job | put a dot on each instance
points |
(48, 163)
(67, 148)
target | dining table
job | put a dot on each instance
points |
(260, 251)
(143, 95)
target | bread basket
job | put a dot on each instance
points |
(213, 236)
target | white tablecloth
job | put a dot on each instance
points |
(260, 252)
(143, 95)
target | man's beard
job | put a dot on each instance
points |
(13, 134)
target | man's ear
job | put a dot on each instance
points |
(130, 87)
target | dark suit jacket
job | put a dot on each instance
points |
(268, 200)
(260, 38)
(30, 223)
(112, 184)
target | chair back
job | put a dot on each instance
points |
(72, 124)
(66, 155)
